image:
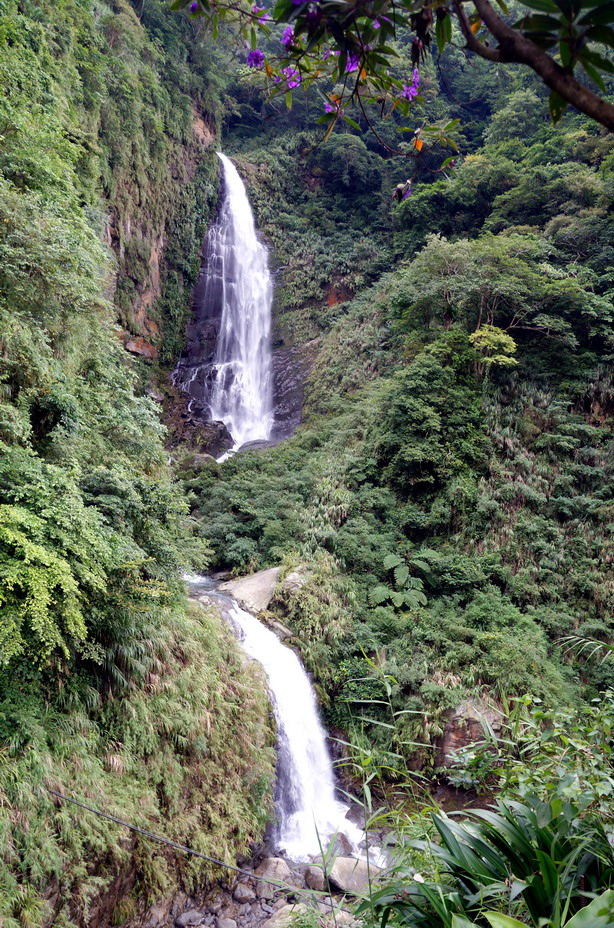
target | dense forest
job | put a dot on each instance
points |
(446, 501)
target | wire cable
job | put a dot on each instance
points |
(188, 850)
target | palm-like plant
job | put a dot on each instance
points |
(538, 860)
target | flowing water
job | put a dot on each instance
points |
(308, 812)
(233, 384)
(233, 300)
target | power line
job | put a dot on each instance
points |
(187, 850)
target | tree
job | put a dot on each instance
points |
(350, 44)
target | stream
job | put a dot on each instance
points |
(226, 370)
(309, 816)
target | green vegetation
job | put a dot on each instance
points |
(109, 689)
(449, 493)
(447, 502)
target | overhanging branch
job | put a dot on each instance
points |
(515, 47)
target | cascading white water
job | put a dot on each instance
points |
(308, 813)
(226, 367)
(242, 393)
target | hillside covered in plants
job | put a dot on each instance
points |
(449, 493)
(446, 502)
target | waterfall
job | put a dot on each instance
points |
(308, 813)
(232, 382)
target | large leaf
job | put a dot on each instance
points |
(401, 573)
(599, 914)
(496, 920)
(603, 15)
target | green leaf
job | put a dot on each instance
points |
(599, 914)
(289, 99)
(379, 594)
(497, 920)
(443, 32)
(537, 23)
(594, 75)
(401, 574)
(459, 921)
(597, 60)
(602, 16)
(392, 560)
(603, 34)
(557, 106)
(351, 122)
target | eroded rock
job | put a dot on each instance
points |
(255, 591)
(190, 918)
(466, 725)
(244, 894)
(351, 875)
(315, 879)
(275, 869)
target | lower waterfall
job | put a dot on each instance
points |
(308, 814)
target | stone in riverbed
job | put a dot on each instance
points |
(273, 868)
(315, 879)
(244, 894)
(255, 591)
(226, 923)
(351, 875)
(190, 918)
(285, 916)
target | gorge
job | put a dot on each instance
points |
(438, 515)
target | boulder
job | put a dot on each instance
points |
(226, 923)
(190, 918)
(273, 868)
(138, 345)
(333, 915)
(284, 917)
(465, 725)
(280, 630)
(244, 893)
(255, 591)
(157, 917)
(315, 879)
(351, 875)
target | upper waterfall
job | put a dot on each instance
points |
(233, 381)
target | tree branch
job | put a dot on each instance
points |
(515, 47)
(484, 51)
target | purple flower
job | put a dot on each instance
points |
(257, 11)
(376, 24)
(352, 63)
(287, 39)
(255, 59)
(333, 107)
(410, 91)
(194, 7)
(292, 76)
